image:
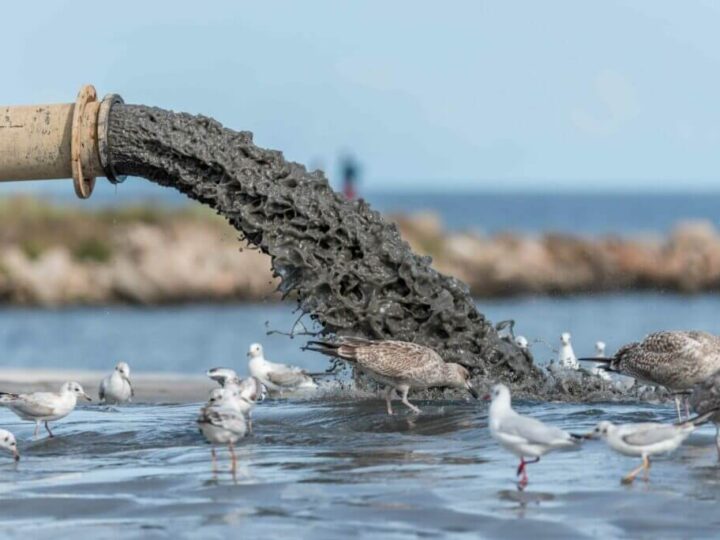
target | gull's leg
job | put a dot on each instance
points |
(213, 459)
(521, 467)
(388, 399)
(686, 399)
(37, 429)
(234, 459)
(249, 422)
(630, 477)
(717, 439)
(646, 468)
(48, 429)
(405, 389)
(677, 406)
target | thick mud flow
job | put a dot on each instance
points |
(348, 268)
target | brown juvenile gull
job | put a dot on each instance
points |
(705, 397)
(676, 360)
(399, 365)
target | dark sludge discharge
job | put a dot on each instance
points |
(347, 267)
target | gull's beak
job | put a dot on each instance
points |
(487, 397)
(247, 354)
(87, 397)
(590, 436)
(472, 391)
(16, 455)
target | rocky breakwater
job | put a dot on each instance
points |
(685, 261)
(52, 256)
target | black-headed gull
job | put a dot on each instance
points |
(399, 365)
(523, 436)
(9, 444)
(277, 377)
(676, 360)
(645, 439)
(44, 406)
(116, 387)
(222, 422)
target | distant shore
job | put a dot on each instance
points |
(54, 255)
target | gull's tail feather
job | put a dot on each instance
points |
(700, 419)
(602, 363)
(343, 350)
(7, 397)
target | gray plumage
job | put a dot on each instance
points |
(399, 365)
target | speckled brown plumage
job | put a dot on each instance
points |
(398, 364)
(676, 360)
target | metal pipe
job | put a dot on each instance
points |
(67, 140)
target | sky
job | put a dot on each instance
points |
(458, 95)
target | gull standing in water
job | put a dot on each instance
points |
(676, 360)
(44, 406)
(8, 443)
(645, 439)
(116, 387)
(222, 422)
(399, 365)
(521, 435)
(566, 355)
(250, 391)
(277, 377)
(705, 397)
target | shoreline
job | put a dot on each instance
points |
(150, 387)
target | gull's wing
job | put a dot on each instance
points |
(533, 431)
(650, 433)
(223, 418)
(250, 389)
(36, 404)
(396, 359)
(283, 375)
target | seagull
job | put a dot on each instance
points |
(597, 369)
(676, 360)
(44, 406)
(8, 442)
(223, 376)
(397, 364)
(706, 397)
(116, 387)
(566, 355)
(221, 422)
(277, 377)
(521, 435)
(646, 439)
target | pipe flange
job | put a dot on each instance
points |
(103, 125)
(83, 186)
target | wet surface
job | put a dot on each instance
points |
(338, 467)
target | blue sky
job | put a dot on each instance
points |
(454, 95)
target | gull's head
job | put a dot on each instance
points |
(123, 369)
(499, 393)
(601, 430)
(223, 376)
(8, 442)
(255, 351)
(600, 347)
(459, 376)
(76, 389)
(522, 342)
(565, 338)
